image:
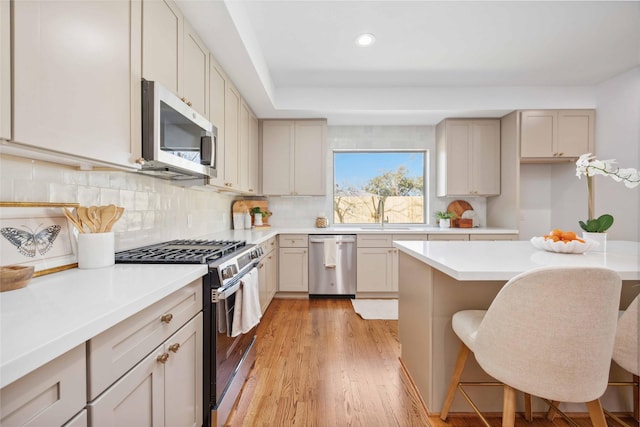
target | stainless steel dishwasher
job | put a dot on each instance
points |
(324, 279)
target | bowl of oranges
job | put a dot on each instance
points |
(565, 242)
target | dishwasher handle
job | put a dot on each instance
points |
(343, 240)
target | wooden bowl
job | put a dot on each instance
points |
(14, 277)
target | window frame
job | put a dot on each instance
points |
(425, 187)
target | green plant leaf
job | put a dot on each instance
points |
(604, 223)
(583, 225)
(593, 225)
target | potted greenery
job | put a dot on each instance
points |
(260, 216)
(589, 166)
(444, 218)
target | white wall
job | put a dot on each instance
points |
(302, 211)
(155, 210)
(618, 137)
(553, 197)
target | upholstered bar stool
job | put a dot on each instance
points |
(548, 333)
(626, 349)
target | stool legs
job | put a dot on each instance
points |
(461, 360)
(509, 407)
(596, 413)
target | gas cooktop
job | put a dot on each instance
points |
(181, 252)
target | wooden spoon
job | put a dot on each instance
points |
(95, 219)
(75, 221)
(83, 215)
(116, 217)
(106, 215)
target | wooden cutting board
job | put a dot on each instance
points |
(458, 207)
(243, 205)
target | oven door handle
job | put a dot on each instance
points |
(225, 293)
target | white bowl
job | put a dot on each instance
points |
(572, 247)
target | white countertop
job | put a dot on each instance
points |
(60, 311)
(57, 312)
(502, 260)
(259, 235)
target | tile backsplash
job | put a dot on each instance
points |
(155, 210)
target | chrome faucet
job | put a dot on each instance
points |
(381, 212)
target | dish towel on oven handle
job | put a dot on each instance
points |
(247, 312)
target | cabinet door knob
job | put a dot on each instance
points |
(163, 358)
(166, 318)
(261, 265)
(174, 347)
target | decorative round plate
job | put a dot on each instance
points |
(572, 247)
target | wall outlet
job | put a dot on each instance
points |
(189, 220)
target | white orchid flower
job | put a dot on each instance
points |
(589, 166)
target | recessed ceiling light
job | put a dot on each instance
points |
(365, 40)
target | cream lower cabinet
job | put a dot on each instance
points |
(147, 370)
(377, 270)
(268, 273)
(293, 263)
(76, 80)
(448, 237)
(51, 395)
(376, 264)
(164, 389)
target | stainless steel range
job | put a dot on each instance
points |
(227, 359)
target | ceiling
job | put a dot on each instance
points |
(431, 59)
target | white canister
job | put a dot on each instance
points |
(257, 219)
(247, 221)
(238, 221)
(96, 250)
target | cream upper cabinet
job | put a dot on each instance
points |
(217, 96)
(173, 54)
(293, 157)
(195, 67)
(243, 148)
(232, 102)
(254, 155)
(277, 143)
(468, 157)
(162, 43)
(76, 79)
(5, 71)
(556, 134)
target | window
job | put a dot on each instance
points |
(362, 179)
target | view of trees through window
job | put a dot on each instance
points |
(363, 178)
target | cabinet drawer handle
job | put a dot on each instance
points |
(261, 265)
(174, 347)
(163, 358)
(166, 318)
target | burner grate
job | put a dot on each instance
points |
(185, 251)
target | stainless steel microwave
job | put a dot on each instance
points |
(177, 142)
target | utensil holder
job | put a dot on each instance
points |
(96, 250)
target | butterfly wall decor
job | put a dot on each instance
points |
(28, 241)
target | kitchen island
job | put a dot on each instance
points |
(437, 279)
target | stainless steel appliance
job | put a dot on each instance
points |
(334, 281)
(177, 142)
(227, 360)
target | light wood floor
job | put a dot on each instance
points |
(320, 364)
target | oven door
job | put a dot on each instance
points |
(229, 351)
